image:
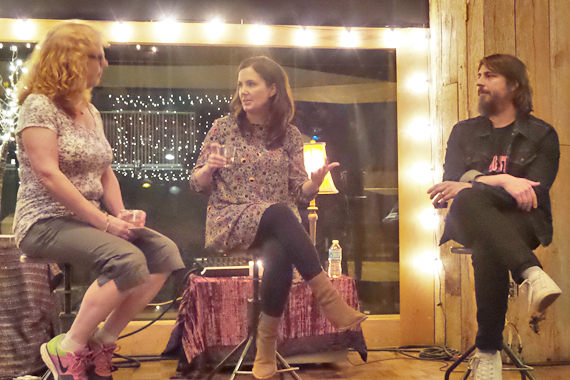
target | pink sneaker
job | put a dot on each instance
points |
(101, 356)
(62, 364)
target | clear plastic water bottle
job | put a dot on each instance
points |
(335, 260)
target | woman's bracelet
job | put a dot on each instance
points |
(108, 221)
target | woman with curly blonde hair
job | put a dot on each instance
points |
(66, 181)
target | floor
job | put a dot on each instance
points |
(381, 365)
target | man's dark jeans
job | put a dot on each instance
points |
(502, 239)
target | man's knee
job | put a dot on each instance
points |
(467, 200)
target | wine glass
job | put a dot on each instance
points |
(228, 151)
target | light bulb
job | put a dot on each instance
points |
(429, 218)
(304, 37)
(121, 31)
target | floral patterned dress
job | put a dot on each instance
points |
(84, 155)
(259, 178)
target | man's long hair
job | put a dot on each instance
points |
(281, 106)
(58, 68)
(515, 73)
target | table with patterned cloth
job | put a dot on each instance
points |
(212, 320)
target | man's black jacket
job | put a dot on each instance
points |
(533, 154)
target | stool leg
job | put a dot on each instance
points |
(67, 317)
(459, 361)
(525, 372)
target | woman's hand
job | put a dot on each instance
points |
(120, 228)
(318, 176)
(215, 159)
(311, 187)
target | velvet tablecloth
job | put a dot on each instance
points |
(212, 320)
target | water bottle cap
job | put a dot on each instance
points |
(335, 241)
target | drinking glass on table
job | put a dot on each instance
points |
(228, 151)
(135, 217)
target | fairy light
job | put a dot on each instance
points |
(8, 103)
(24, 29)
(168, 29)
(304, 37)
(393, 38)
(215, 28)
(420, 129)
(421, 172)
(121, 31)
(349, 38)
(418, 82)
(152, 138)
(429, 218)
(259, 34)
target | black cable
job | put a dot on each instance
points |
(176, 293)
(423, 352)
(134, 361)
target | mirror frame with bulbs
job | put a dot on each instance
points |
(416, 322)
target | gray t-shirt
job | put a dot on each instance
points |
(84, 155)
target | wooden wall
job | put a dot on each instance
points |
(538, 32)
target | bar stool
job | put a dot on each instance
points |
(520, 366)
(66, 317)
(254, 309)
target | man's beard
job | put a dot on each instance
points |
(488, 106)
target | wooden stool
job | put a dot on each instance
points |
(520, 366)
(254, 309)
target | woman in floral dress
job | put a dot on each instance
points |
(252, 200)
(66, 178)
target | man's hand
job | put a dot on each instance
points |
(444, 191)
(521, 189)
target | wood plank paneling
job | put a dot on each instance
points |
(475, 51)
(560, 67)
(499, 26)
(533, 48)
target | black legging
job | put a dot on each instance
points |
(284, 243)
(502, 240)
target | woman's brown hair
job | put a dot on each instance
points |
(281, 106)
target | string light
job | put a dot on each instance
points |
(393, 38)
(168, 29)
(349, 38)
(418, 82)
(429, 218)
(121, 31)
(259, 34)
(421, 172)
(24, 29)
(151, 138)
(9, 104)
(420, 129)
(304, 37)
(215, 28)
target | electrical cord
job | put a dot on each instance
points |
(134, 361)
(417, 352)
(176, 294)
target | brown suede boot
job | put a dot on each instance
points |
(342, 316)
(265, 364)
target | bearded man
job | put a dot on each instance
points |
(498, 170)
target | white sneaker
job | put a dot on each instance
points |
(542, 292)
(486, 366)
